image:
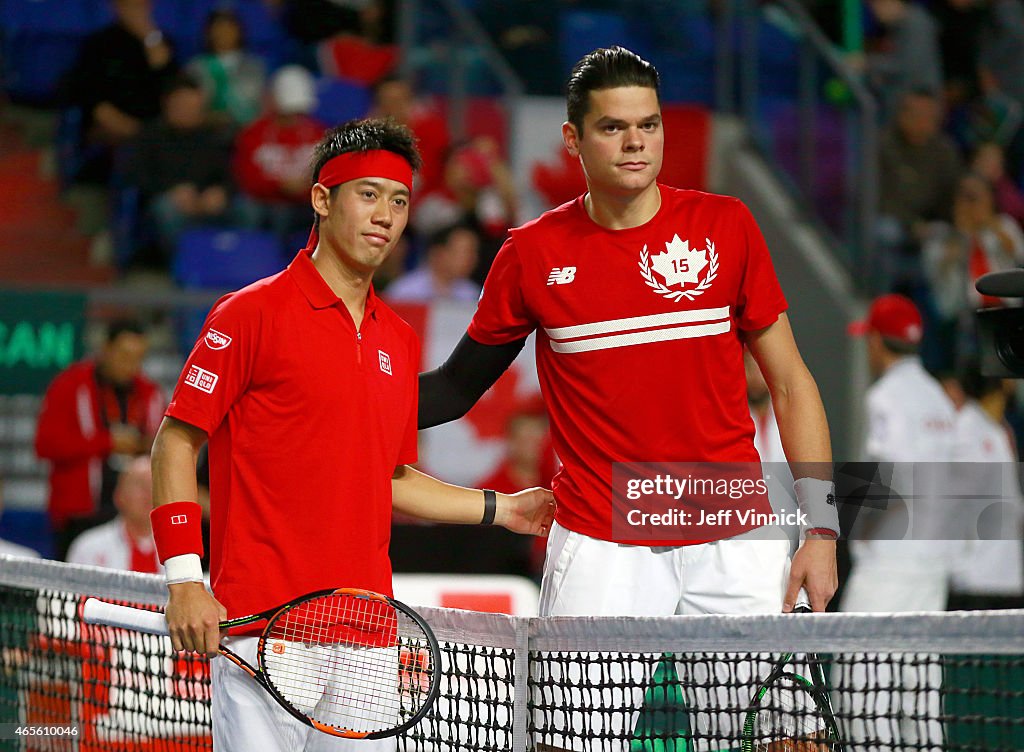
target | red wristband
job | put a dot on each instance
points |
(177, 529)
(827, 531)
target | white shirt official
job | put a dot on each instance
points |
(991, 558)
(901, 553)
(108, 545)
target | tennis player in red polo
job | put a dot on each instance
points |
(305, 385)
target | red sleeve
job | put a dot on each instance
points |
(502, 315)
(410, 440)
(760, 300)
(219, 368)
(60, 435)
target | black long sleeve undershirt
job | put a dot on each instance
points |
(448, 392)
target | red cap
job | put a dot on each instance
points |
(894, 317)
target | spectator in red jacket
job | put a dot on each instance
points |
(97, 414)
(272, 154)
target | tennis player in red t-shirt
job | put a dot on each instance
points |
(643, 297)
(305, 385)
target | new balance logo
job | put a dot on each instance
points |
(179, 519)
(562, 276)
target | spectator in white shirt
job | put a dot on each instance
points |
(126, 542)
(444, 274)
(990, 563)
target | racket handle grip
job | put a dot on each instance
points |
(112, 615)
(803, 603)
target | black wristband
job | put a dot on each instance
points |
(490, 506)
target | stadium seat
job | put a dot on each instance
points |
(225, 259)
(34, 63)
(220, 259)
(72, 17)
(338, 101)
(581, 31)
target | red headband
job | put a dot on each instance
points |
(378, 163)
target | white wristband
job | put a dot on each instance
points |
(184, 568)
(817, 501)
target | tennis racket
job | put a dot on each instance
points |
(791, 711)
(350, 663)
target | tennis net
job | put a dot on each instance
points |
(893, 681)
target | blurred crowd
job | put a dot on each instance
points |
(224, 139)
(948, 76)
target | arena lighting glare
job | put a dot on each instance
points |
(1001, 330)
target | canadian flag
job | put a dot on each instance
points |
(467, 450)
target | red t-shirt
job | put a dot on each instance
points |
(638, 346)
(308, 420)
(270, 153)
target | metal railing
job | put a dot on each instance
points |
(466, 45)
(833, 114)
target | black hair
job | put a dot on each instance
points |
(900, 346)
(179, 82)
(919, 92)
(220, 14)
(605, 68)
(369, 134)
(123, 326)
(389, 78)
(974, 384)
(443, 235)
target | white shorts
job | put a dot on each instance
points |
(587, 576)
(246, 717)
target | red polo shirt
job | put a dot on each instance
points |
(308, 418)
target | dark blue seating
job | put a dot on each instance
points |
(339, 100)
(220, 259)
(225, 259)
(581, 31)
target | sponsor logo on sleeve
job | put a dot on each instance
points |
(201, 379)
(216, 340)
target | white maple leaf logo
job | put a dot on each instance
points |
(679, 264)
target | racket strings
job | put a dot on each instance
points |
(349, 661)
(788, 716)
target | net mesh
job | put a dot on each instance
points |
(893, 682)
